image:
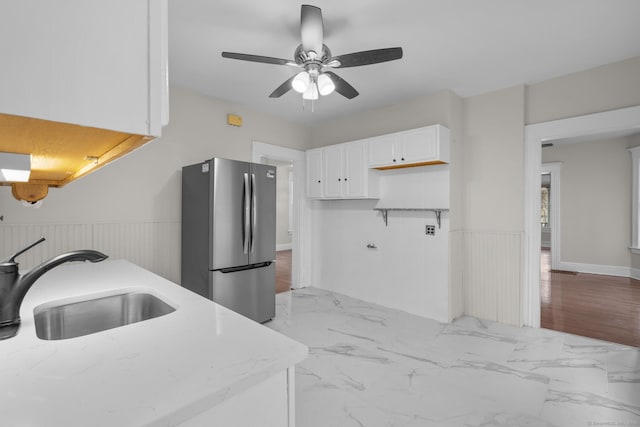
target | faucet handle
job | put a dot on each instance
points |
(12, 259)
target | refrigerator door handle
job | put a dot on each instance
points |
(246, 214)
(254, 211)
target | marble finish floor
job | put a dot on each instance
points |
(373, 366)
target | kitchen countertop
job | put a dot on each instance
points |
(157, 372)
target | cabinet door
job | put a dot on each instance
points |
(89, 62)
(355, 168)
(418, 145)
(333, 171)
(314, 173)
(381, 150)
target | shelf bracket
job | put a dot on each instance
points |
(385, 216)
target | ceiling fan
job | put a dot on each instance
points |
(314, 57)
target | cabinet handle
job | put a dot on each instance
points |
(339, 179)
(402, 159)
(394, 160)
(345, 179)
(318, 181)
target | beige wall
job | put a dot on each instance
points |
(418, 112)
(595, 201)
(604, 88)
(493, 150)
(146, 184)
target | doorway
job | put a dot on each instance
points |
(290, 260)
(284, 222)
(535, 135)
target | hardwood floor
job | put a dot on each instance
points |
(283, 271)
(590, 305)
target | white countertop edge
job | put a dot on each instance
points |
(263, 352)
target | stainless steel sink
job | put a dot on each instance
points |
(86, 317)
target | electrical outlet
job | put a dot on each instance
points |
(430, 230)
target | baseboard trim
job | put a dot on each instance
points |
(635, 273)
(283, 247)
(607, 270)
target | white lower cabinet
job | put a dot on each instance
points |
(268, 404)
(343, 172)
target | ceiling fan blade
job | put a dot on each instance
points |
(342, 87)
(366, 57)
(311, 31)
(257, 58)
(283, 88)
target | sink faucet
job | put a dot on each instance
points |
(13, 286)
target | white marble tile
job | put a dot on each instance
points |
(374, 366)
(575, 408)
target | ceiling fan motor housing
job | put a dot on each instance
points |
(303, 57)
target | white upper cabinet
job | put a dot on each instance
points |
(417, 147)
(343, 172)
(334, 171)
(314, 173)
(93, 63)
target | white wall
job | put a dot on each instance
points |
(131, 208)
(408, 270)
(595, 202)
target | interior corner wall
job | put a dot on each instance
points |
(407, 270)
(131, 208)
(490, 240)
(608, 87)
(595, 203)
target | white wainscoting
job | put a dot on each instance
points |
(456, 278)
(491, 280)
(154, 246)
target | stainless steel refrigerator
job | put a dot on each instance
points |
(229, 234)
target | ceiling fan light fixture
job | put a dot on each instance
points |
(311, 93)
(300, 82)
(325, 85)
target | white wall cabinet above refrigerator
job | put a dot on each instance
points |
(341, 172)
(95, 63)
(417, 147)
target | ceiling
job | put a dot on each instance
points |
(468, 46)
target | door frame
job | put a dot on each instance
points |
(590, 124)
(300, 265)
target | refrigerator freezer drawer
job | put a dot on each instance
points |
(250, 292)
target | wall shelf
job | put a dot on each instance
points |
(385, 212)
